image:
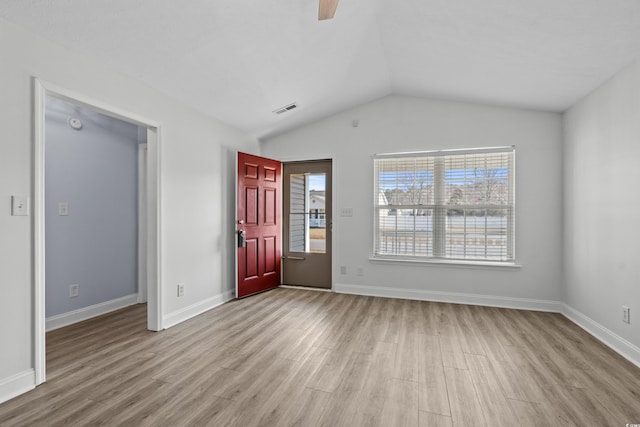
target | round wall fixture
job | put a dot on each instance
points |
(75, 123)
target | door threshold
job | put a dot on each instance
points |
(306, 288)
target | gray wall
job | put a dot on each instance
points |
(601, 232)
(94, 170)
(397, 124)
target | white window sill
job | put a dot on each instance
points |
(445, 262)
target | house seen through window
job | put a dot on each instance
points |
(307, 219)
(456, 204)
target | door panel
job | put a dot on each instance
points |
(307, 223)
(270, 255)
(258, 217)
(251, 205)
(251, 259)
(270, 174)
(270, 207)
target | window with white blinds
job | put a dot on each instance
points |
(457, 204)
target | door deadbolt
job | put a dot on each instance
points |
(242, 241)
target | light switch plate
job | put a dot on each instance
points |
(63, 209)
(19, 205)
(346, 212)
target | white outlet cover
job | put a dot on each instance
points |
(74, 290)
(63, 209)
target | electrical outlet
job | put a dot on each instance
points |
(74, 291)
(343, 269)
(63, 209)
(180, 289)
(626, 314)
(360, 271)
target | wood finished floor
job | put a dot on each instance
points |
(296, 357)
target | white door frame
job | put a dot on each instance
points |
(153, 223)
(142, 223)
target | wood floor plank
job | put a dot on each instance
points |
(368, 335)
(452, 354)
(554, 337)
(467, 330)
(516, 382)
(408, 357)
(331, 371)
(583, 407)
(297, 357)
(617, 396)
(504, 331)
(392, 317)
(543, 354)
(427, 419)
(495, 406)
(466, 409)
(190, 395)
(401, 407)
(433, 387)
(292, 386)
(596, 361)
(307, 408)
(195, 410)
(133, 406)
(264, 372)
(538, 415)
(491, 338)
(348, 404)
(412, 317)
(338, 321)
(373, 394)
(433, 391)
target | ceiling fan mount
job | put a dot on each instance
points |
(326, 9)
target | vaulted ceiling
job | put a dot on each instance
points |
(238, 60)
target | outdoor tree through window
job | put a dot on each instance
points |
(456, 204)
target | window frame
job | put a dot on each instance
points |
(439, 228)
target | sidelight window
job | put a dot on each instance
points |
(307, 218)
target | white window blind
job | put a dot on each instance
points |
(457, 204)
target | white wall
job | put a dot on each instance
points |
(397, 124)
(197, 189)
(95, 171)
(601, 226)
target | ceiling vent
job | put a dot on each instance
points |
(286, 108)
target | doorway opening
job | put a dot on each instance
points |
(283, 224)
(92, 230)
(89, 207)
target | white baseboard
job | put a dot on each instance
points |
(306, 288)
(17, 384)
(450, 297)
(66, 319)
(187, 313)
(612, 340)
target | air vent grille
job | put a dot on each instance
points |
(286, 108)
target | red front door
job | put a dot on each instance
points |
(258, 219)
